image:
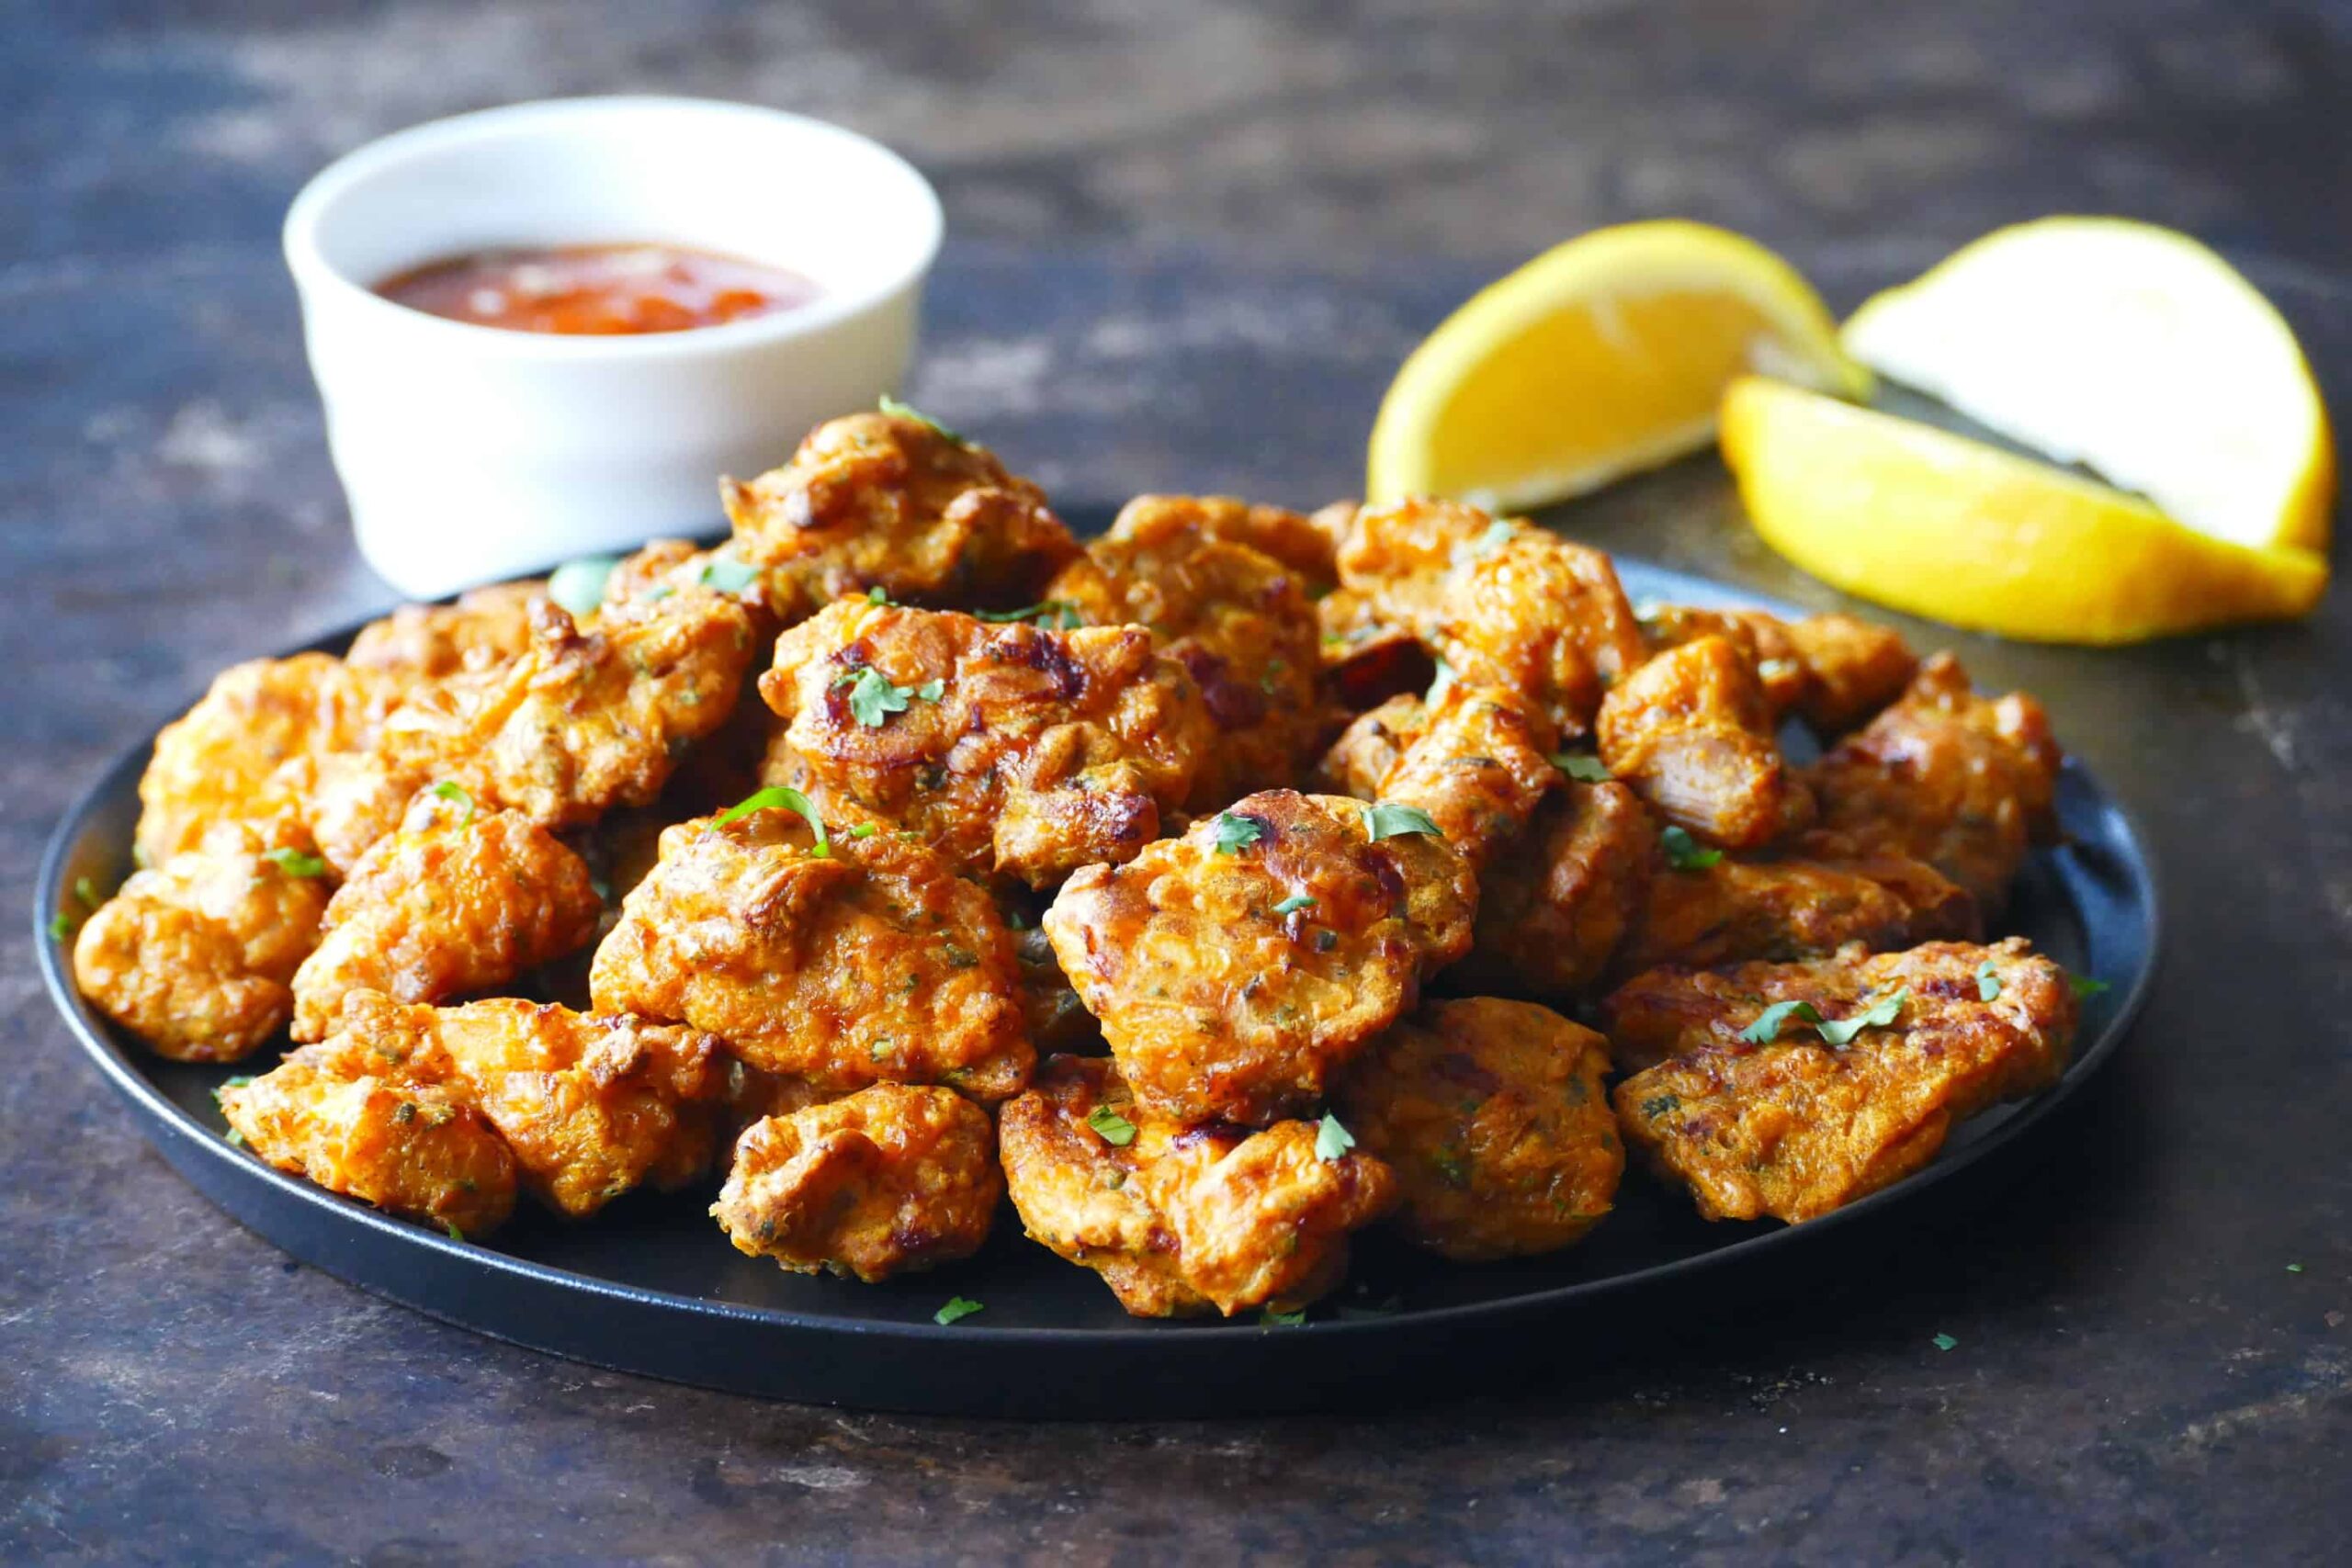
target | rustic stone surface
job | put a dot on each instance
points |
(1191, 243)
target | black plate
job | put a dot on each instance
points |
(651, 1286)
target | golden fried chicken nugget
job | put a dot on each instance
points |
(458, 900)
(1763, 640)
(871, 960)
(1961, 781)
(893, 1178)
(1178, 1220)
(197, 956)
(485, 628)
(1235, 968)
(591, 1105)
(1017, 752)
(1504, 604)
(1477, 759)
(1238, 620)
(1493, 1116)
(1691, 731)
(893, 502)
(1555, 904)
(1797, 1124)
(217, 762)
(1735, 910)
(370, 1112)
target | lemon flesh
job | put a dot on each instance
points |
(2132, 350)
(1603, 355)
(1923, 521)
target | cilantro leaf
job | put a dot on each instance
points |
(863, 830)
(295, 863)
(2084, 987)
(1230, 835)
(1684, 852)
(1767, 1027)
(1944, 1342)
(728, 575)
(1111, 1127)
(1273, 1319)
(1472, 551)
(1331, 1140)
(62, 926)
(930, 691)
(1382, 820)
(872, 696)
(1878, 1015)
(88, 892)
(1054, 614)
(957, 1309)
(771, 798)
(877, 594)
(453, 1233)
(1295, 903)
(898, 410)
(1584, 770)
(450, 790)
(578, 585)
(1988, 983)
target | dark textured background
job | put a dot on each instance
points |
(1190, 242)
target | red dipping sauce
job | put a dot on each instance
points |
(598, 290)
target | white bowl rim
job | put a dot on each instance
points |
(311, 269)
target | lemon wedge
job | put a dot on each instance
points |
(1603, 355)
(2132, 350)
(1921, 520)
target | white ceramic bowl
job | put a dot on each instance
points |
(470, 453)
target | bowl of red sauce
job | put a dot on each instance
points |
(548, 329)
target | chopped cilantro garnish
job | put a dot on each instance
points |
(62, 926)
(1583, 769)
(450, 790)
(1944, 1342)
(1331, 1140)
(898, 410)
(2294, 1267)
(1054, 614)
(1295, 903)
(874, 697)
(728, 575)
(1684, 852)
(1273, 1319)
(453, 1233)
(296, 863)
(1229, 835)
(1988, 983)
(957, 1309)
(1767, 1027)
(1382, 820)
(233, 1138)
(1497, 536)
(1113, 1128)
(1878, 1015)
(877, 594)
(930, 691)
(578, 585)
(88, 892)
(776, 796)
(2084, 987)
(863, 830)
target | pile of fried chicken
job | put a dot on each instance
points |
(1215, 889)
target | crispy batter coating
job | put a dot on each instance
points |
(1232, 981)
(1179, 1221)
(1477, 759)
(217, 762)
(1555, 906)
(1019, 754)
(1493, 1116)
(1691, 731)
(1797, 1127)
(1762, 639)
(1738, 910)
(1947, 777)
(871, 962)
(1504, 604)
(370, 1112)
(1852, 669)
(884, 500)
(197, 956)
(1238, 620)
(891, 1179)
(591, 1106)
(458, 900)
(1306, 546)
(485, 628)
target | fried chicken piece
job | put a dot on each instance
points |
(1305, 546)
(1019, 754)
(1235, 968)
(485, 628)
(196, 956)
(893, 502)
(1691, 731)
(1181, 1221)
(1477, 759)
(1736, 911)
(1944, 777)
(1852, 669)
(591, 1106)
(458, 900)
(1555, 904)
(217, 762)
(1763, 640)
(370, 1112)
(891, 1179)
(870, 962)
(1503, 604)
(1238, 620)
(1493, 1116)
(342, 803)
(1797, 1127)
